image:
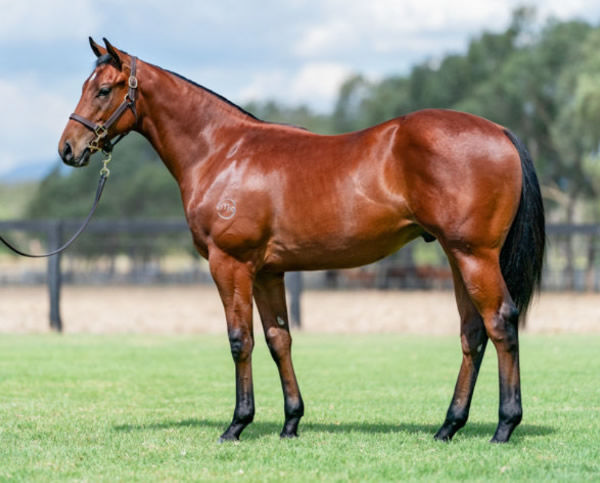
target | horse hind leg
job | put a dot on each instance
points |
(269, 293)
(473, 341)
(482, 276)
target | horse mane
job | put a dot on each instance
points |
(107, 59)
(218, 96)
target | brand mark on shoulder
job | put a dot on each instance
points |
(226, 209)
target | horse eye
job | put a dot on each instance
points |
(104, 91)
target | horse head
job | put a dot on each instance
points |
(100, 116)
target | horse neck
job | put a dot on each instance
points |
(184, 122)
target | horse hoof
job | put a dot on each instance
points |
(227, 439)
(284, 435)
(443, 435)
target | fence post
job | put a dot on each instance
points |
(294, 286)
(54, 275)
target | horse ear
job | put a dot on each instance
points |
(95, 47)
(114, 53)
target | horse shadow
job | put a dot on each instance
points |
(261, 429)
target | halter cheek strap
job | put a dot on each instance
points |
(101, 129)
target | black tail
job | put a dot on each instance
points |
(522, 255)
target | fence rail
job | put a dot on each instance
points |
(567, 243)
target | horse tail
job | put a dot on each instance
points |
(522, 255)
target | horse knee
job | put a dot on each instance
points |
(241, 343)
(279, 342)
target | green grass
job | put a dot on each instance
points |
(149, 408)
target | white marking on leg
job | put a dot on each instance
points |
(280, 321)
(479, 347)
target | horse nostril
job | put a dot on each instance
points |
(67, 153)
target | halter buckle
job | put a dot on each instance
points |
(133, 83)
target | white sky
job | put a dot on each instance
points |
(295, 51)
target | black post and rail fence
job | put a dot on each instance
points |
(54, 232)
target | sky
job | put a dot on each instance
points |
(293, 51)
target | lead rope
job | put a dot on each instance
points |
(104, 174)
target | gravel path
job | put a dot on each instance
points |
(197, 309)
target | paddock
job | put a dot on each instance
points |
(196, 309)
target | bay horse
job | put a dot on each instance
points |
(261, 199)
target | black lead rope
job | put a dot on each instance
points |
(103, 177)
(96, 144)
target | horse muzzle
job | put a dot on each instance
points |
(67, 154)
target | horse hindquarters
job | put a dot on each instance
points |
(499, 286)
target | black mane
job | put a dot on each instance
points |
(107, 59)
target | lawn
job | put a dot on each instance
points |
(151, 408)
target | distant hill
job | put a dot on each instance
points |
(34, 171)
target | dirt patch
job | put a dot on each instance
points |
(197, 309)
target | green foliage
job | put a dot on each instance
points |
(14, 198)
(139, 186)
(150, 408)
(539, 82)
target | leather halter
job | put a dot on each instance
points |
(101, 129)
(96, 144)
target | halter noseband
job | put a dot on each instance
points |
(101, 129)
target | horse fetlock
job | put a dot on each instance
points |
(294, 408)
(243, 414)
(510, 413)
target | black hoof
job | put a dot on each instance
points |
(290, 428)
(447, 432)
(227, 439)
(502, 434)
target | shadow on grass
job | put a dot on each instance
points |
(260, 429)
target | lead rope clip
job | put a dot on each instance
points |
(105, 171)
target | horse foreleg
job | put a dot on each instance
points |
(269, 293)
(473, 342)
(234, 281)
(487, 289)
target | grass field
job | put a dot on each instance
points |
(148, 408)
